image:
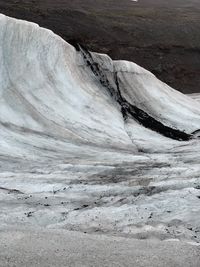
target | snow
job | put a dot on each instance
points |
(68, 157)
(195, 96)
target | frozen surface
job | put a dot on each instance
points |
(72, 156)
(195, 96)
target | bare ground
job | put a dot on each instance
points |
(62, 248)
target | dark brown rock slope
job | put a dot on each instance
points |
(160, 35)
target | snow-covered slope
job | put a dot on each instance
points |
(195, 96)
(87, 143)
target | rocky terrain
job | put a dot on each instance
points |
(162, 36)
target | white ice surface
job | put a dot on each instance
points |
(69, 160)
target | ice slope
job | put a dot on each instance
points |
(195, 96)
(47, 87)
(91, 144)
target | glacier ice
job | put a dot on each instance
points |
(92, 144)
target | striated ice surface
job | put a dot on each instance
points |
(94, 145)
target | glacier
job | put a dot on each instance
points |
(93, 145)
